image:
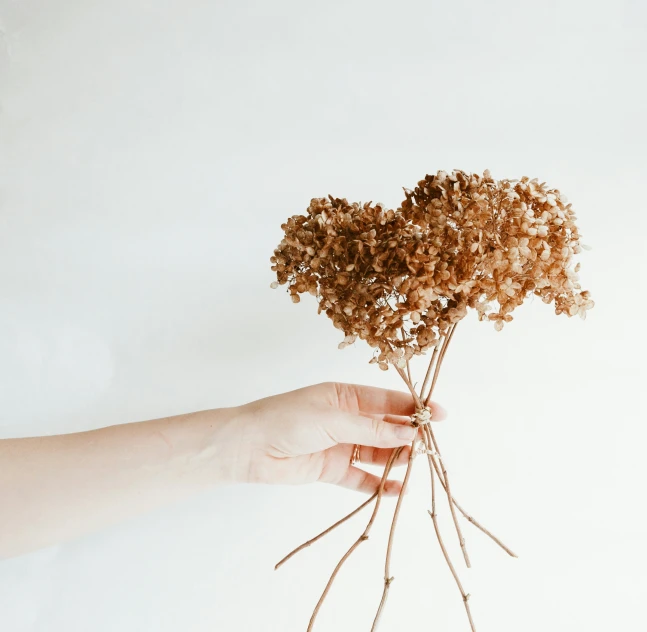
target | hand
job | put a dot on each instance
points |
(81, 481)
(309, 435)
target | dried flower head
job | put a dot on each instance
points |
(399, 279)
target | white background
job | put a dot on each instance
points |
(149, 153)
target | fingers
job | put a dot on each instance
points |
(380, 456)
(393, 419)
(369, 399)
(344, 427)
(367, 483)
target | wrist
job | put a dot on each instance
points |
(216, 445)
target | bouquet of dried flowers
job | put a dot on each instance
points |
(403, 279)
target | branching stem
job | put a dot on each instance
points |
(432, 513)
(305, 545)
(445, 480)
(412, 390)
(429, 373)
(394, 455)
(388, 579)
(436, 468)
(434, 463)
(441, 357)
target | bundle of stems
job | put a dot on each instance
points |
(425, 444)
(401, 280)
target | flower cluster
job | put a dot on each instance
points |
(500, 241)
(399, 279)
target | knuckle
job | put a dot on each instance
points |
(365, 480)
(377, 428)
(336, 389)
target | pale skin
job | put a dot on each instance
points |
(56, 488)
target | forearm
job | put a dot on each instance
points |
(55, 488)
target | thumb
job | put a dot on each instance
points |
(345, 427)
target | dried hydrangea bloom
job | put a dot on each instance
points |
(501, 241)
(352, 257)
(399, 279)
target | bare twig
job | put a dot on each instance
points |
(403, 375)
(388, 580)
(326, 532)
(467, 516)
(432, 513)
(445, 478)
(394, 455)
(348, 553)
(484, 530)
(429, 372)
(441, 357)
(448, 493)
(426, 399)
(433, 463)
(404, 339)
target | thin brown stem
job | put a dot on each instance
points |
(439, 360)
(432, 513)
(429, 373)
(448, 493)
(431, 458)
(404, 339)
(484, 530)
(412, 390)
(348, 553)
(439, 363)
(394, 455)
(388, 580)
(445, 478)
(433, 463)
(305, 545)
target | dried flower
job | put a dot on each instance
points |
(402, 279)
(399, 279)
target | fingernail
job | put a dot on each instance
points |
(406, 433)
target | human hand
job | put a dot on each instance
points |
(81, 481)
(308, 435)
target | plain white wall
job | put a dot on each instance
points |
(149, 153)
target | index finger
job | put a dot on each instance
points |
(357, 398)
